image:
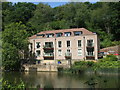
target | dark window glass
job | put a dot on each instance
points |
(79, 43)
(67, 33)
(58, 34)
(59, 44)
(77, 33)
(68, 43)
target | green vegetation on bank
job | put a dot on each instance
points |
(109, 62)
(12, 85)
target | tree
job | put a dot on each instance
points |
(15, 45)
(17, 12)
(42, 15)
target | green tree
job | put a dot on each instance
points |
(42, 15)
(15, 45)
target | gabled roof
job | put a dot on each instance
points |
(84, 31)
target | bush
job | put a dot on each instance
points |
(90, 63)
(111, 57)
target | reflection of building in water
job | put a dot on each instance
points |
(58, 45)
(53, 80)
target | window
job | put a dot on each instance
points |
(67, 33)
(90, 53)
(48, 44)
(59, 43)
(90, 43)
(49, 35)
(38, 53)
(77, 33)
(42, 35)
(59, 53)
(37, 44)
(68, 43)
(79, 52)
(58, 34)
(79, 43)
(68, 50)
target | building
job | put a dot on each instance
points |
(115, 50)
(63, 45)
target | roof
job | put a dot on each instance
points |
(116, 49)
(85, 31)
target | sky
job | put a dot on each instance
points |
(52, 3)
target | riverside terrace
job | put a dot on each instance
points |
(57, 46)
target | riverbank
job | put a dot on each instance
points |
(108, 64)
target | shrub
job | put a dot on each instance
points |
(90, 63)
(111, 57)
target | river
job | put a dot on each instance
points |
(63, 80)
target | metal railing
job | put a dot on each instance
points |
(46, 46)
(48, 54)
(68, 54)
(90, 44)
(90, 55)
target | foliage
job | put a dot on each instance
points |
(110, 58)
(82, 65)
(15, 45)
(109, 62)
(21, 20)
(14, 85)
(102, 18)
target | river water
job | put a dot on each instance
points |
(63, 80)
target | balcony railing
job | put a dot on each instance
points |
(90, 45)
(48, 54)
(90, 55)
(68, 54)
(45, 47)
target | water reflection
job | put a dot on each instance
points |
(61, 80)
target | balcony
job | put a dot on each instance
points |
(90, 45)
(90, 57)
(48, 56)
(48, 47)
(68, 55)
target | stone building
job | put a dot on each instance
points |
(63, 45)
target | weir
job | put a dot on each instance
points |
(40, 67)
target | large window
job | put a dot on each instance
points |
(48, 44)
(59, 52)
(68, 50)
(38, 53)
(77, 33)
(58, 34)
(90, 43)
(67, 33)
(79, 52)
(49, 35)
(59, 44)
(68, 43)
(90, 53)
(79, 43)
(37, 44)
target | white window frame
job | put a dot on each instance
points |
(79, 52)
(59, 52)
(37, 44)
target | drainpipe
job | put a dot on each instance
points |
(55, 53)
(84, 48)
(34, 46)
